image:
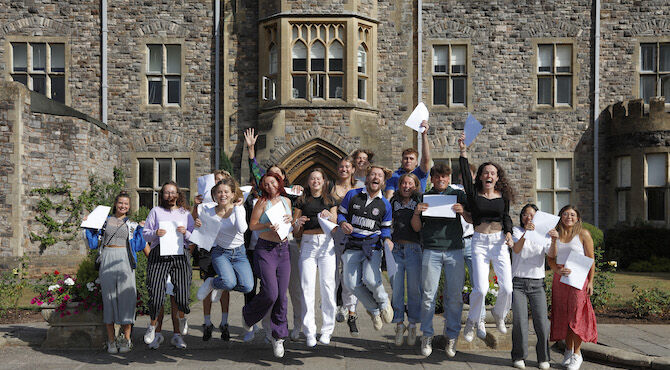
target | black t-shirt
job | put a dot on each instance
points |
(311, 207)
(402, 218)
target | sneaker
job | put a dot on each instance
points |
(183, 326)
(125, 345)
(411, 336)
(111, 347)
(575, 362)
(216, 294)
(249, 335)
(399, 334)
(481, 330)
(567, 357)
(277, 347)
(450, 348)
(157, 341)
(246, 328)
(519, 364)
(205, 288)
(150, 334)
(324, 339)
(387, 314)
(426, 346)
(341, 312)
(544, 365)
(376, 321)
(295, 334)
(178, 341)
(469, 331)
(207, 332)
(225, 333)
(500, 323)
(353, 329)
(311, 341)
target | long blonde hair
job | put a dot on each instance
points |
(563, 232)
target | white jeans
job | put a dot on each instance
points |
(490, 248)
(317, 250)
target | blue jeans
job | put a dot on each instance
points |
(467, 254)
(432, 264)
(408, 258)
(363, 276)
(233, 269)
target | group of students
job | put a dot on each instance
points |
(375, 210)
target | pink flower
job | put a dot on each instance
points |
(32, 301)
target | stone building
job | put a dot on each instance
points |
(319, 79)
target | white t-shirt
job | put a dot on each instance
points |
(530, 262)
(231, 232)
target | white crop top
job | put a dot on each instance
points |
(564, 249)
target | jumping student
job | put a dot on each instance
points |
(410, 164)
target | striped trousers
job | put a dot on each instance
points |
(158, 269)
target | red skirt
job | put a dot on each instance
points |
(571, 307)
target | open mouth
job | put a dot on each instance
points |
(489, 181)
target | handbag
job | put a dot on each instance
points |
(98, 260)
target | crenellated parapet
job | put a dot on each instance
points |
(630, 117)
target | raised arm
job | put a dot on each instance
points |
(425, 149)
(464, 165)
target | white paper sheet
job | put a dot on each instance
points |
(205, 235)
(246, 190)
(579, 266)
(419, 114)
(172, 243)
(276, 216)
(543, 222)
(97, 218)
(292, 191)
(439, 205)
(205, 185)
(327, 225)
(472, 129)
(391, 266)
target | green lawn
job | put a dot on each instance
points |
(645, 280)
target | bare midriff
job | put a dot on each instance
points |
(489, 227)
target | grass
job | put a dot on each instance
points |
(624, 280)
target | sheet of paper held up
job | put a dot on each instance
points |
(579, 266)
(246, 190)
(97, 218)
(543, 222)
(439, 205)
(205, 185)
(391, 266)
(276, 215)
(292, 191)
(419, 114)
(205, 235)
(172, 243)
(472, 129)
(326, 225)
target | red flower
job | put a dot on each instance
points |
(495, 279)
(56, 272)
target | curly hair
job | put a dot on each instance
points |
(181, 198)
(502, 185)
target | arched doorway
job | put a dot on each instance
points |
(312, 154)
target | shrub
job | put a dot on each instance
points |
(640, 242)
(654, 264)
(12, 283)
(652, 302)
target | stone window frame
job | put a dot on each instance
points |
(135, 174)
(621, 189)
(535, 43)
(144, 75)
(41, 40)
(270, 71)
(664, 188)
(637, 65)
(469, 68)
(554, 156)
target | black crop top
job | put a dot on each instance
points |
(483, 209)
(311, 208)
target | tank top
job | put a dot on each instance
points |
(264, 217)
(564, 249)
(116, 232)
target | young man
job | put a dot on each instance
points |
(365, 216)
(442, 249)
(410, 163)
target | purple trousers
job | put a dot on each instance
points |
(272, 265)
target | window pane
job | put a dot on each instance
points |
(274, 60)
(183, 173)
(563, 58)
(322, 32)
(303, 30)
(19, 57)
(647, 87)
(562, 199)
(173, 58)
(564, 89)
(164, 170)
(545, 202)
(362, 59)
(563, 173)
(318, 83)
(623, 171)
(622, 203)
(458, 59)
(545, 54)
(664, 58)
(146, 175)
(299, 87)
(648, 57)
(458, 90)
(439, 91)
(39, 57)
(544, 90)
(173, 93)
(544, 174)
(361, 88)
(656, 204)
(57, 58)
(296, 32)
(656, 167)
(317, 57)
(440, 54)
(155, 58)
(665, 88)
(331, 32)
(335, 57)
(39, 84)
(21, 78)
(146, 199)
(335, 87)
(299, 57)
(155, 91)
(58, 88)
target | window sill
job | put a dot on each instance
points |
(318, 104)
(451, 108)
(155, 108)
(557, 108)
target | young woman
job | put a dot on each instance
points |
(528, 282)
(362, 159)
(316, 251)
(272, 264)
(172, 207)
(407, 254)
(120, 240)
(489, 199)
(572, 316)
(346, 300)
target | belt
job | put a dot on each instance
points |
(115, 246)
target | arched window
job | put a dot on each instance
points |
(362, 61)
(273, 66)
(299, 56)
(335, 59)
(317, 57)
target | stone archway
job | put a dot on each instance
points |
(312, 154)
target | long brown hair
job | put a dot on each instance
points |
(563, 232)
(352, 179)
(502, 185)
(181, 199)
(327, 197)
(234, 188)
(264, 194)
(122, 194)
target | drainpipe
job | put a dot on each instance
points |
(104, 61)
(217, 36)
(419, 63)
(596, 118)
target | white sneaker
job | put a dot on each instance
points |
(216, 294)
(376, 321)
(450, 349)
(125, 345)
(183, 326)
(295, 334)
(399, 334)
(426, 347)
(567, 357)
(150, 334)
(481, 330)
(205, 288)
(544, 365)
(411, 336)
(519, 364)
(575, 362)
(324, 339)
(387, 314)
(469, 331)
(500, 323)
(311, 341)
(277, 347)
(178, 341)
(157, 341)
(111, 347)
(249, 334)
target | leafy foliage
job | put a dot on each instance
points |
(652, 302)
(12, 283)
